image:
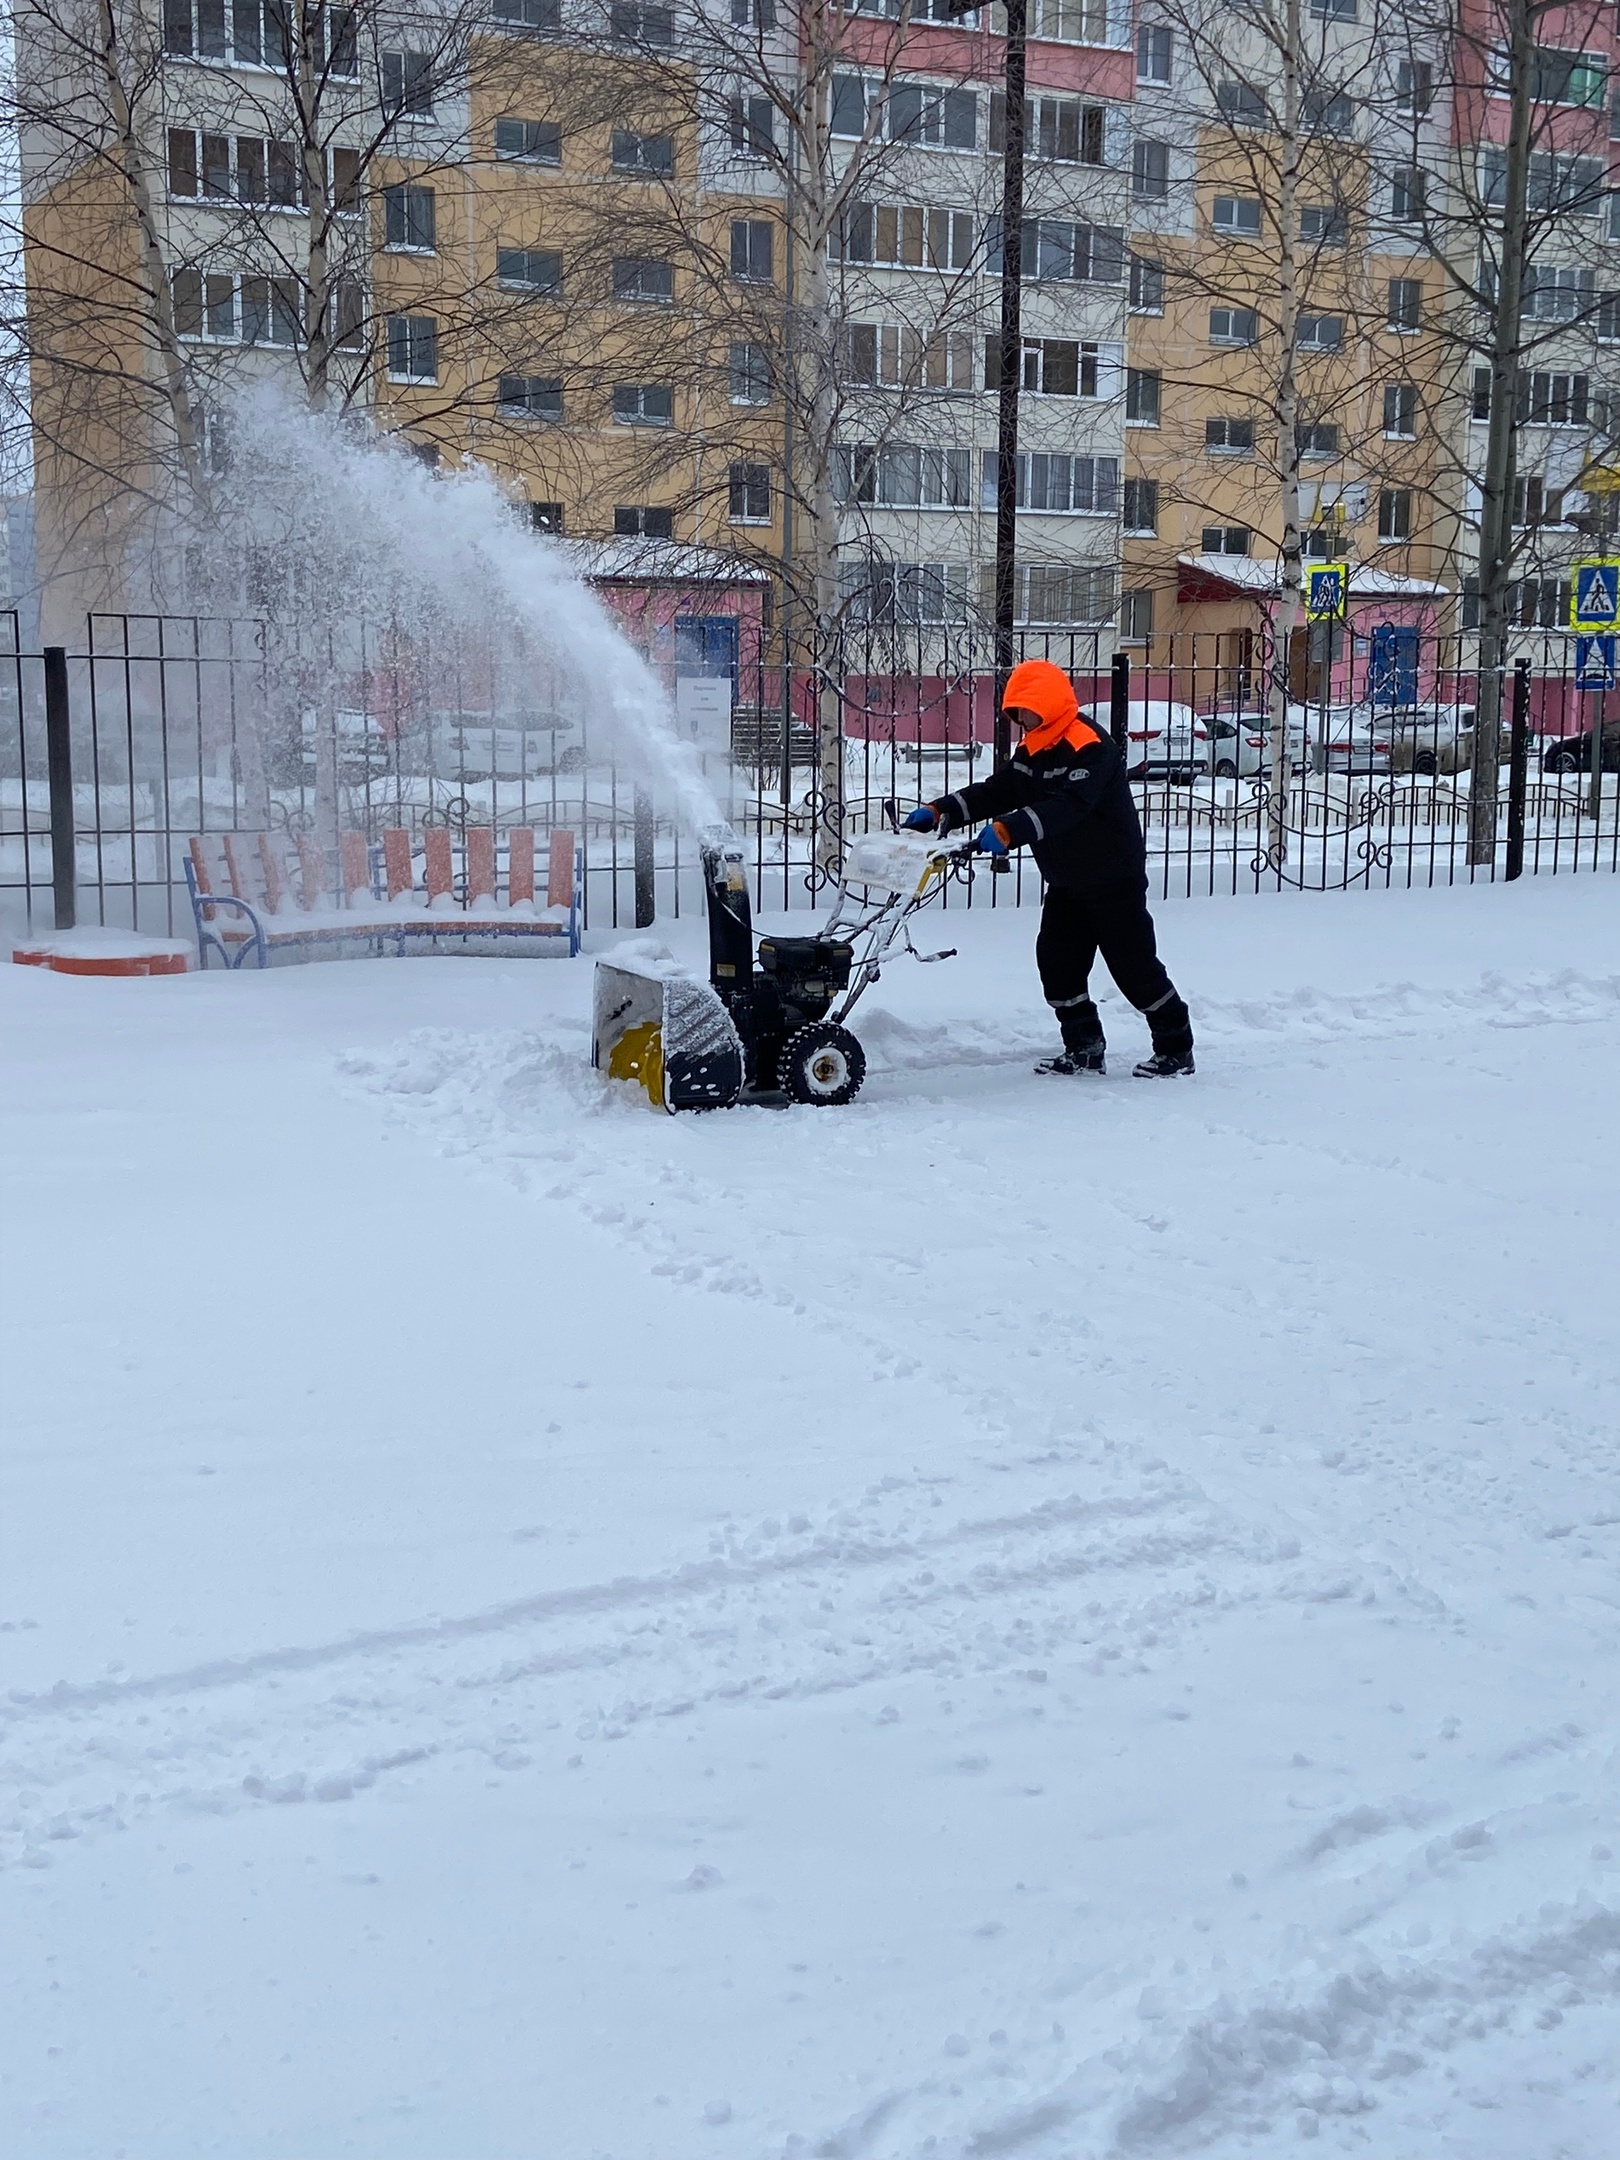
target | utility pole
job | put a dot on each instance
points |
(1011, 350)
(1496, 487)
(1012, 362)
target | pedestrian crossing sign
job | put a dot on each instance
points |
(1327, 588)
(1594, 663)
(1594, 598)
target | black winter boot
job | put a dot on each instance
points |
(1165, 1065)
(1084, 1048)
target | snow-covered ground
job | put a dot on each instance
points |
(1019, 1618)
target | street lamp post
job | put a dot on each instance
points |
(1012, 351)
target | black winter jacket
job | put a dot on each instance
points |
(1071, 806)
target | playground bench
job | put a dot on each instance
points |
(252, 896)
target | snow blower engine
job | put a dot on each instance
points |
(776, 1030)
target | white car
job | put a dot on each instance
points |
(1164, 739)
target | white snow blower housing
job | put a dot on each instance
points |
(761, 1033)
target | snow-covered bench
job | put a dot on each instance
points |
(255, 894)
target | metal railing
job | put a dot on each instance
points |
(112, 756)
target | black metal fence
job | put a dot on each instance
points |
(112, 756)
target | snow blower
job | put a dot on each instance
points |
(759, 1033)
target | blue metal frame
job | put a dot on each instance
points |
(207, 937)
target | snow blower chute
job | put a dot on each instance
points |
(776, 1029)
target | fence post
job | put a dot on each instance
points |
(59, 770)
(646, 902)
(1518, 766)
(1119, 702)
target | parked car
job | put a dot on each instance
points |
(474, 748)
(1253, 727)
(1429, 738)
(1165, 740)
(1359, 743)
(1573, 753)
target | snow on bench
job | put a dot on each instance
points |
(254, 894)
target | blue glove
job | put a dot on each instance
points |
(990, 842)
(922, 820)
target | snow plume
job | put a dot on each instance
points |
(353, 548)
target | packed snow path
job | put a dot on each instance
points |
(1034, 1618)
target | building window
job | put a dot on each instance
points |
(910, 236)
(643, 521)
(1405, 304)
(1147, 286)
(1056, 595)
(1324, 224)
(529, 270)
(257, 34)
(881, 591)
(527, 14)
(1320, 333)
(1143, 387)
(1334, 10)
(1225, 540)
(407, 84)
(1141, 509)
(1155, 49)
(1059, 131)
(1408, 194)
(1317, 438)
(1065, 249)
(1237, 214)
(1400, 410)
(749, 494)
(1241, 103)
(895, 356)
(1557, 292)
(943, 119)
(1234, 326)
(1059, 485)
(904, 476)
(1150, 171)
(749, 375)
(531, 397)
(1070, 22)
(1053, 367)
(1414, 87)
(247, 169)
(1395, 513)
(758, 14)
(1328, 111)
(271, 311)
(752, 250)
(1558, 182)
(1231, 437)
(848, 105)
(408, 219)
(413, 348)
(546, 517)
(631, 23)
(651, 156)
(1567, 78)
(1547, 399)
(1136, 615)
(638, 277)
(643, 404)
(753, 126)
(536, 142)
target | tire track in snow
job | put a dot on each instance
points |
(1099, 1579)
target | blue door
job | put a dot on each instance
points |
(706, 645)
(1392, 665)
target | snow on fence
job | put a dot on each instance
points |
(182, 726)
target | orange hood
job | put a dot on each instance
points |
(1040, 686)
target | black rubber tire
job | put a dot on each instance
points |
(1226, 770)
(1565, 762)
(1426, 764)
(821, 1064)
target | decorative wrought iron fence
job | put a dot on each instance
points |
(179, 725)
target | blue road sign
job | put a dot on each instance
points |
(1594, 601)
(1326, 590)
(1595, 663)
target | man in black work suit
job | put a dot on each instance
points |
(1064, 795)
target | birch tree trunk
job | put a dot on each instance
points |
(1291, 557)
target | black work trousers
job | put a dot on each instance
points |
(1112, 920)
